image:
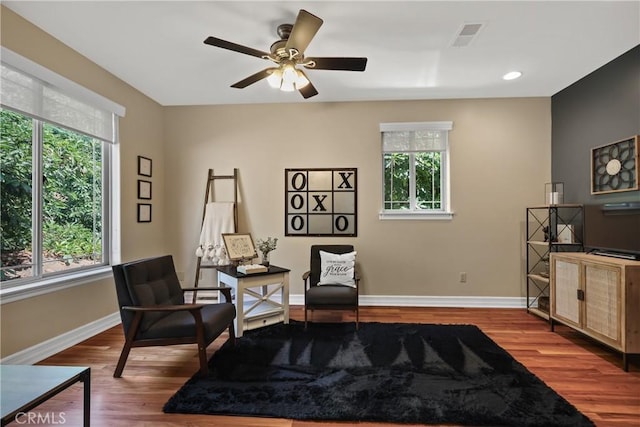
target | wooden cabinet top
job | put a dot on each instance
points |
(598, 259)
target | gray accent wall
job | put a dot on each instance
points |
(599, 109)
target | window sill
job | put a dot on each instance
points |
(414, 215)
(45, 286)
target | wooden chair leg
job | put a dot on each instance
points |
(232, 334)
(202, 354)
(202, 346)
(128, 343)
(123, 359)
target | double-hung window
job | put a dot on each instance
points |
(415, 163)
(57, 144)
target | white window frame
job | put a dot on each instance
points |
(445, 212)
(20, 289)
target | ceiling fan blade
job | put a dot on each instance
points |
(305, 28)
(214, 41)
(344, 64)
(309, 90)
(253, 78)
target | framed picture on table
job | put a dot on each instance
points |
(239, 246)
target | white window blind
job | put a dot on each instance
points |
(414, 137)
(31, 89)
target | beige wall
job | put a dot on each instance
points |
(500, 160)
(28, 322)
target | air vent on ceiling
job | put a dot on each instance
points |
(466, 34)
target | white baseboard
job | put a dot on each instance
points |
(431, 301)
(55, 345)
(48, 348)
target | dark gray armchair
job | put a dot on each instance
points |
(332, 296)
(154, 312)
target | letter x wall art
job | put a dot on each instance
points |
(321, 202)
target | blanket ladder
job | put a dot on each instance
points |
(209, 196)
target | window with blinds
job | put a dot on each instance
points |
(415, 160)
(57, 140)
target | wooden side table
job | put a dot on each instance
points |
(261, 299)
(26, 386)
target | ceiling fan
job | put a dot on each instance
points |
(288, 53)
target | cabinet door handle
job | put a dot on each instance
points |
(580, 295)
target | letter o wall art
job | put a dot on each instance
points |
(321, 202)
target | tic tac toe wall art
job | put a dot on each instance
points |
(321, 202)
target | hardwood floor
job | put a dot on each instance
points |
(585, 373)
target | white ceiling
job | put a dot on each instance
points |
(157, 46)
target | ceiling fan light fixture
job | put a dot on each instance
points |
(289, 73)
(288, 54)
(275, 78)
(301, 80)
(287, 86)
(287, 78)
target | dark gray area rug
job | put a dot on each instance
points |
(385, 372)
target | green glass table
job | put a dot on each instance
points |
(23, 387)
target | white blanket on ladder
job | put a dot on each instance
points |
(218, 219)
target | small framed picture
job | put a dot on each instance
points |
(144, 189)
(144, 166)
(144, 212)
(239, 246)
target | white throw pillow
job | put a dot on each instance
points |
(337, 269)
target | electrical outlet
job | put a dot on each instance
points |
(463, 277)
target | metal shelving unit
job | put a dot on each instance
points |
(550, 228)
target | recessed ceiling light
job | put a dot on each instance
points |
(511, 75)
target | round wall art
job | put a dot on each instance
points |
(614, 167)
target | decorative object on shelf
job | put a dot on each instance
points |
(265, 247)
(565, 233)
(545, 263)
(144, 212)
(239, 246)
(321, 202)
(144, 166)
(614, 167)
(543, 304)
(554, 193)
(144, 189)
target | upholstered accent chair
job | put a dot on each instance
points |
(154, 312)
(322, 291)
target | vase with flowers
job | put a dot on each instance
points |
(265, 246)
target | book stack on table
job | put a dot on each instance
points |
(252, 268)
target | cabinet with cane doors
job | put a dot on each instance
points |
(598, 296)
